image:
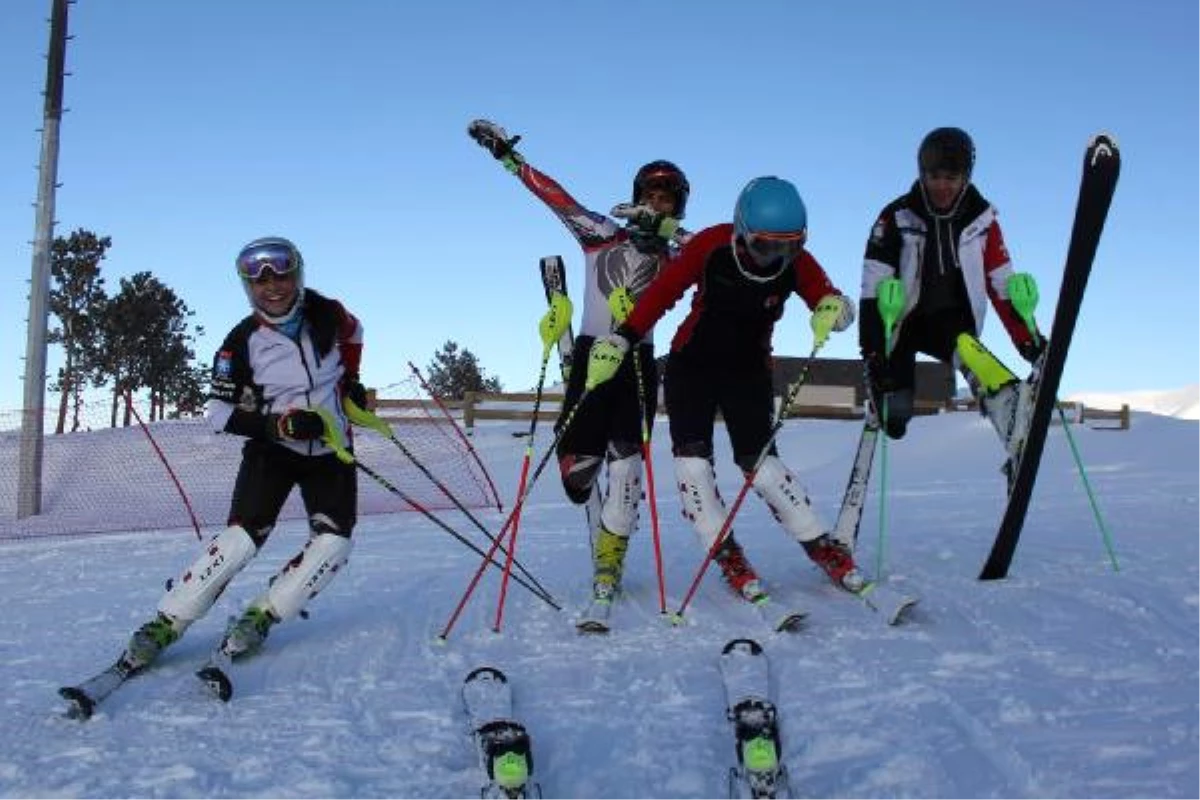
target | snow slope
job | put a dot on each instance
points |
(1181, 403)
(1068, 679)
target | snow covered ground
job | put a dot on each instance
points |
(1068, 679)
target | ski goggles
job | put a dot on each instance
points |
(279, 260)
(766, 247)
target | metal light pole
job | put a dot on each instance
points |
(29, 476)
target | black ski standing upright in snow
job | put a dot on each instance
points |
(1101, 166)
(554, 279)
(504, 746)
(760, 771)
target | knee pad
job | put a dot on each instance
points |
(620, 510)
(578, 475)
(788, 501)
(701, 504)
(192, 594)
(302, 578)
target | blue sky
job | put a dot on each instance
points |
(195, 127)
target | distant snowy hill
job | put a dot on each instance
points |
(1180, 403)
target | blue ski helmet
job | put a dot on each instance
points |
(279, 256)
(770, 220)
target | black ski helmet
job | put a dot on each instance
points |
(950, 149)
(667, 175)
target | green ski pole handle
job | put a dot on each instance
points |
(1023, 293)
(889, 296)
(555, 321)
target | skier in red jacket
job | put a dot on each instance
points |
(720, 361)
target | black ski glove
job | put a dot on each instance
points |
(879, 375)
(356, 393)
(495, 140)
(295, 425)
(1032, 350)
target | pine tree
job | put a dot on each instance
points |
(77, 300)
(453, 373)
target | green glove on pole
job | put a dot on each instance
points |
(824, 316)
(889, 295)
(890, 300)
(1023, 293)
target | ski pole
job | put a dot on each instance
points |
(551, 326)
(335, 441)
(462, 438)
(366, 419)
(621, 302)
(566, 425)
(723, 532)
(890, 301)
(1023, 293)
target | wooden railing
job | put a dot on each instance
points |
(477, 406)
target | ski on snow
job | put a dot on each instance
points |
(891, 604)
(504, 747)
(760, 771)
(214, 675)
(596, 617)
(83, 698)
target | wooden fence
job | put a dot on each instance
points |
(817, 404)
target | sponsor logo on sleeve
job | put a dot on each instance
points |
(223, 369)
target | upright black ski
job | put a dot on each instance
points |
(1101, 166)
(554, 279)
(760, 771)
(505, 749)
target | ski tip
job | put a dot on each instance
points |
(791, 623)
(486, 673)
(745, 645)
(80, 706)
(676, 619)
(901, 613)
(1102, 151)
(216, 682)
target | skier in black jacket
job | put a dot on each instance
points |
(942, 239)
(279, 374)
